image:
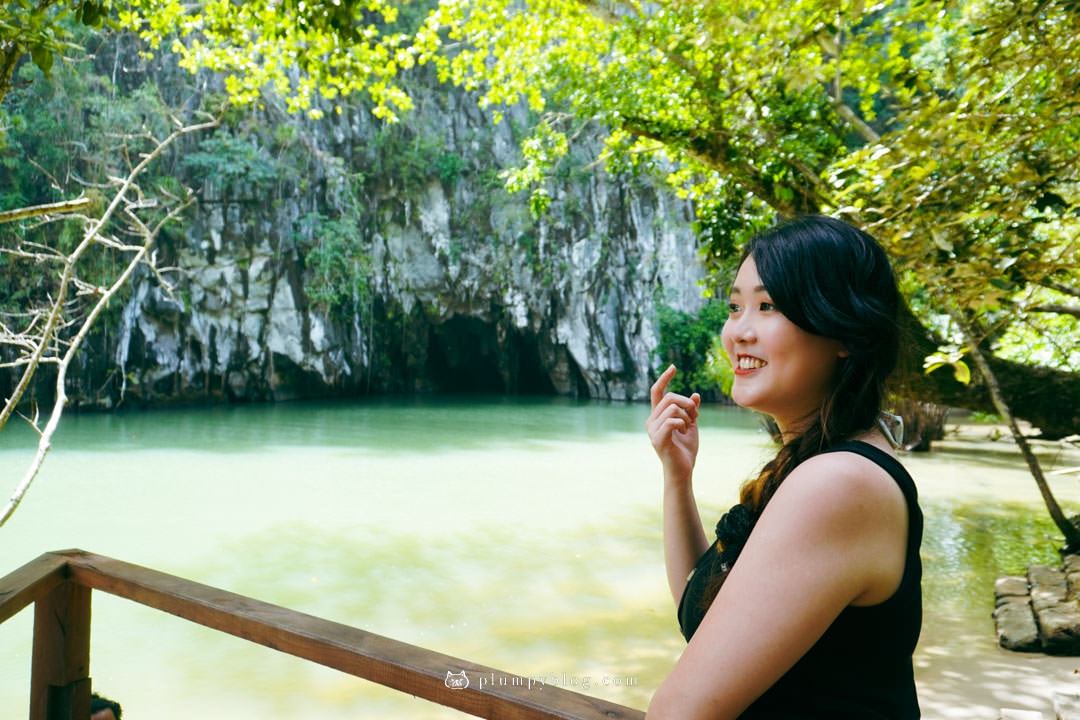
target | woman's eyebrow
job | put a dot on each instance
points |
(757, 289)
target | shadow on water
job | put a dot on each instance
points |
(966, 546)
(1000, 455)
(578, 610)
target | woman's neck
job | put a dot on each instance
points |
(886, 433)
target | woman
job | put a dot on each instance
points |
(820, 614)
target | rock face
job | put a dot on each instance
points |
(1040, 612)
(439, 280)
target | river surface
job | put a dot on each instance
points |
(522, 535)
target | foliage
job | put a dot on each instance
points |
(75, 132)
(976, 190)
(410, 158)
(237, 164)
(338, 263)
(338, 48)
(691, 342)
(449, 166)
(949, 129)
(541, 151)
(44, 30)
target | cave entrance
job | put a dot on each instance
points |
(464, 357)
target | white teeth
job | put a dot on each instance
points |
(750, 363)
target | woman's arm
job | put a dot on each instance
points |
(834, 534)
(673, 431)
(684, 536)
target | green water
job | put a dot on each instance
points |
(522, 535)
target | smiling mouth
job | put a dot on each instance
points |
(747, 362)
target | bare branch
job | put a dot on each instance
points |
(1061, 288)
(1073, 310)
(868, 133)
(65, 206)
(46, 344)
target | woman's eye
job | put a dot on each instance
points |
(733, 307)
(766, 306)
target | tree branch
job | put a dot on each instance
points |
(1073, 310)
(1061, 288)
(47, 335)
(835, 45)
(62, 207)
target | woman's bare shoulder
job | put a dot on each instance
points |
(837, 475)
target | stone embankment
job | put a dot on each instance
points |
(1040, 612)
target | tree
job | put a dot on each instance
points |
(948, 132)
(64, 261)
(38, 28)
(297, 49)
(51, 335)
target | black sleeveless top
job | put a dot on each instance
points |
(861, 668)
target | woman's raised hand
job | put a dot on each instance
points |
(673, 428)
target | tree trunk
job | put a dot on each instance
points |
(1048, 399)
(1068, 529)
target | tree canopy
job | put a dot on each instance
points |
(947, 129)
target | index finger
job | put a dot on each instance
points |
(656, 393)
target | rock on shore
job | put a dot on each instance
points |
(1040, 612)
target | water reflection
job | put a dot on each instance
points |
(384, 425)
(968, 545)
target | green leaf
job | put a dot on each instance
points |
(961, 371)
(43, 58)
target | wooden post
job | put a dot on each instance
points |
(60, 665)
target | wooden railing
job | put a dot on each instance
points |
(59, 586)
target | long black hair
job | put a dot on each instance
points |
(833, 280)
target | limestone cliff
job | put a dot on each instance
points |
(445, 282)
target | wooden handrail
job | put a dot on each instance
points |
(55, 581)
(30, 582)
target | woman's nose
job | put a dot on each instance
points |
(743, 330)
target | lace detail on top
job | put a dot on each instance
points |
(732, 532)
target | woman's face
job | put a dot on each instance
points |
(780, 369)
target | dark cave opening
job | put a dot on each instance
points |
(464, 357)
